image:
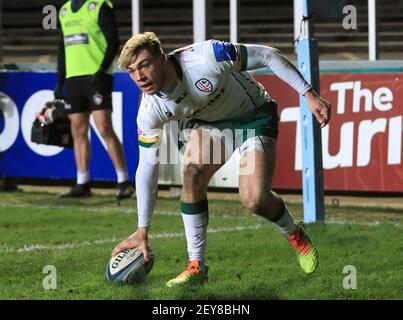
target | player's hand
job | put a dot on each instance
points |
(319, 107)
(139, 239)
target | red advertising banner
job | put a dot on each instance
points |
(361, 146)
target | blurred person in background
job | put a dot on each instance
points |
(88, 45)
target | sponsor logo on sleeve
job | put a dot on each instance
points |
(224, 51)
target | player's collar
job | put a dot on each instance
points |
(177, 66)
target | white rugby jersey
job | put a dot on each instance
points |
(213, 85)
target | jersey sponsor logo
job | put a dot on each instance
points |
(179, 100)
(204, 85)
(169, 114)
(74, 39)
(217, 95)
(224, 51)
(175, 116)
(74, 23)
(92, 5)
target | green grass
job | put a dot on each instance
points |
(253, 262)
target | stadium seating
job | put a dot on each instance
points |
(261, 21)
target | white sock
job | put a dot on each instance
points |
(286, 225)
(122, 175)
(196, 233)
(83, 177)
(196, 236)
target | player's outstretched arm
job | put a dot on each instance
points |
(223, 57)
(260, 56)
(146, 194)
(263, 56)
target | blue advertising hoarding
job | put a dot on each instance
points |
(22, 94)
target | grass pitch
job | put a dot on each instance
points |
(247, 256)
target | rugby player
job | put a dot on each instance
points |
(206, 86)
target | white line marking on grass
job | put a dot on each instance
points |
(361, 223)
(122, 210)
(241, 216)
(35, 247)
(77, 208)
(73, 245)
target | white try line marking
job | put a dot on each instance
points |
(164, 235)
(241, 216)
(73, 245)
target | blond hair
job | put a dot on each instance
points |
(141, 41)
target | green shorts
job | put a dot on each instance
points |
(262, 122)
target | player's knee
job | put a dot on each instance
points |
(106, 132)
(78, 130)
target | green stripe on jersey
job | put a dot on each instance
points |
(145, 144)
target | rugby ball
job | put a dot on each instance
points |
(129, 266)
